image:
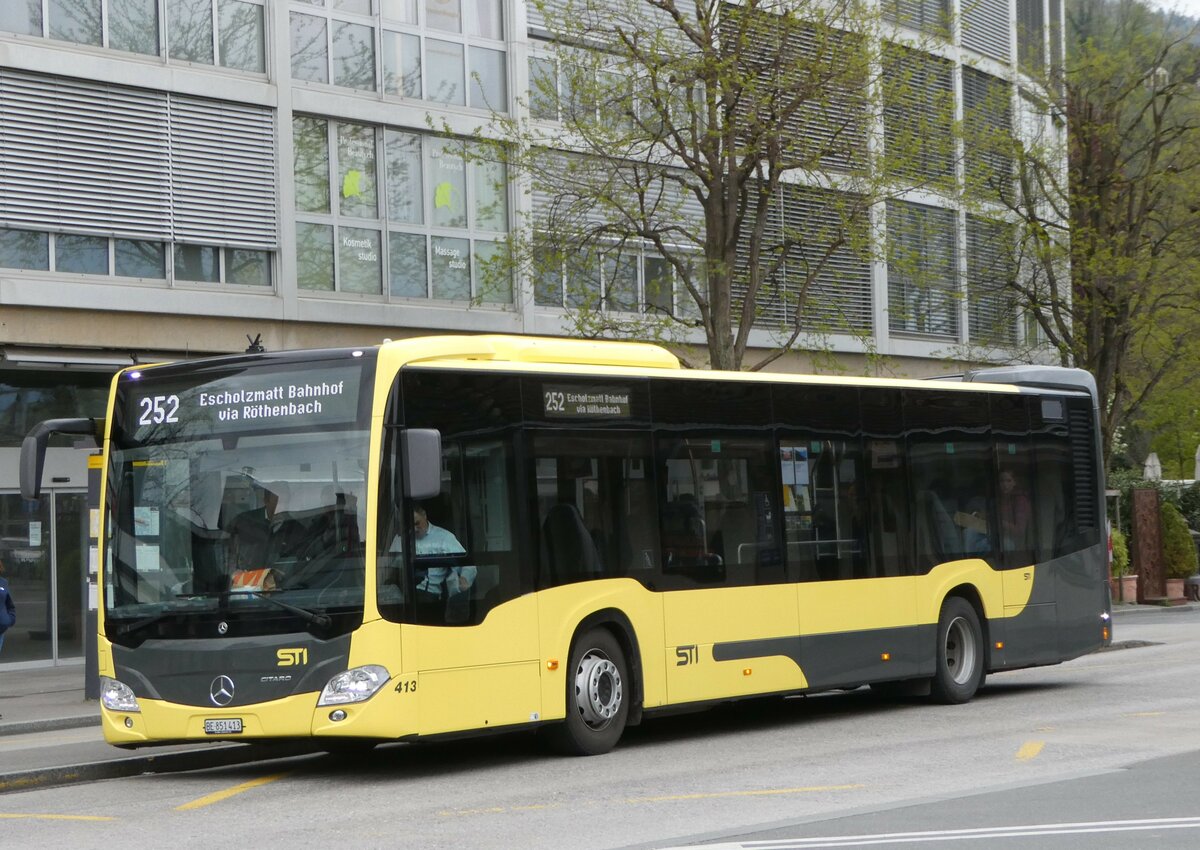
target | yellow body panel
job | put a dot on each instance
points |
(702, 618)
(932, 589)
(857, 604)
(1018, 585)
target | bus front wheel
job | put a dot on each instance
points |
(960, 653)
(597, 697)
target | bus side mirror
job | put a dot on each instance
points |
(33, 449)
(421, 462)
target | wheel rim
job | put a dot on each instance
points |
(961, 651)
(598, 689)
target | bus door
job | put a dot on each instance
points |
(846, 536)
(731, 624)
(473, 638)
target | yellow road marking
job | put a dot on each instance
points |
(218, 796)
(497, 810)
(55, 817)
(760, 793)
(1146, 714)
(1029, 750)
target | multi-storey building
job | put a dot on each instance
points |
(179, 175)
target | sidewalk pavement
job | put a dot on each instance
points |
(44, 699)
(37, 701)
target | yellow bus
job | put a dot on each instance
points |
(460, 534)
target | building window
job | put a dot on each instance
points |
(922, 270)
(74, 253)
(80, 254)
(230, 33)
(240, 35)
(430, 228)
(445, 51)
(133, 26)
(21, 16)
(75, 20)
(137, 258)
(190, 30)
(611, 279)
(309, 50)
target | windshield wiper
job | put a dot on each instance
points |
(320, 620)
(138, 625)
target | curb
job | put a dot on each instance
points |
(1120, 610)
(28, 727)
(219, 756)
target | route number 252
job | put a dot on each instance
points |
(159, 409)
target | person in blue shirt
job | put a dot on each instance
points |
(435, 540)
(8, 609)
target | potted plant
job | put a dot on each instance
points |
(1179, 553)
(1124, 583)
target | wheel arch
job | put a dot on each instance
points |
(621, 628)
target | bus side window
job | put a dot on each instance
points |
(1015, 490)
(595, 514)
(719, 511)
(951, 475)
(885, 462)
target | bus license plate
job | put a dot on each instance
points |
(224, 726)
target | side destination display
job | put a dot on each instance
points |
(563, 401)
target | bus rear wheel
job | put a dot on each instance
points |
(960, 653)
(597, 697)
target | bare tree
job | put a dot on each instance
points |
(717, 165)
(1108, 247)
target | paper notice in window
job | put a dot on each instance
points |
(147, 558)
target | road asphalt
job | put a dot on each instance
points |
(35, 701)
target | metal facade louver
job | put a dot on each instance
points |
(987, 114)
(986, 28)
(917, 122)
(81, 157)
(928, 16)
(222, 173)
(991, 305)
(839, 296)
(922, 268)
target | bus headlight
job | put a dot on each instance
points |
(355, 685)
(117, 696)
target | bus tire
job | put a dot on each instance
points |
(598, 695)
(960, 653)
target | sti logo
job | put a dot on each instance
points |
(292, 657)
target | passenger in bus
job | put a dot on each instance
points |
(1015, 512)
(449, 582)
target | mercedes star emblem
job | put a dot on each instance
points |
(222, 628)
(221, 691)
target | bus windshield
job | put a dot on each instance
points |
(236, 501)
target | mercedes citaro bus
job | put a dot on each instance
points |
(457, 534)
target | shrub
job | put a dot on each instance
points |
(1189, 503)
(1120, 547)
(1179, 553)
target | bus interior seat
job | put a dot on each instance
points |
(568, 550)
(936, 526)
